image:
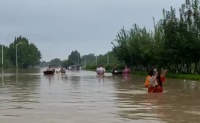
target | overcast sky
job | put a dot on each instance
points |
(58, 27)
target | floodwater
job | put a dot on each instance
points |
(83, 97)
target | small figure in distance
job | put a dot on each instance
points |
(49, 68)
(58, 69)
(115, 70)
(126, 70)
(97, 70)
(101, 70)
(63, 70)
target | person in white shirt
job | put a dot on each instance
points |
(97, 70)
(49, 68)
(102, 70)
(57, 70)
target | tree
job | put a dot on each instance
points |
(121, 48)
(89, 59)
(28, 53)
(56, 62)
(75, 57)
(66, 63)
(173, 44)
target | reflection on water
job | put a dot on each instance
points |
(17, 75)
(100, 78)
(75, 79)
(49, 78)
(74, 97)
(2, 77)
(127, 78)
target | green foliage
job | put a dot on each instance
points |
(173, 44)
(28, 54)
(88, 60)
(66, 63)
(108, 67)
(75, 57)
(92, 61)
(56, 62)
(43, 64)
(121, 49)
(92, 67)
(171, 75)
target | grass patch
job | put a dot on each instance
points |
(173, 75)
(168, 75)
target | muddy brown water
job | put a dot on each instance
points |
(82, 97)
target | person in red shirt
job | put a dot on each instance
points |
(150, 74)
(154, 82)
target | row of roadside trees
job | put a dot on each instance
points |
(28, 55)
(173, 44)
(89, 61)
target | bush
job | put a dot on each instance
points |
(108, 67)
(121, 66)
(91, 67)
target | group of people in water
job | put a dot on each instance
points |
(154, 80)
(125, 71)
(101, 70)
(58, 69)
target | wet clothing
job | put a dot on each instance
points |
(100, 70)
(97, 70)
(146, 84)
(126, 71)
(114, 70)
(158, 88)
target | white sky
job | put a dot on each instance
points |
(58, 27)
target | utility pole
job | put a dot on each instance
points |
(16, 56)
(85, 61)
(2, 56)
(77, 58)
(107, 58)
(96, 60)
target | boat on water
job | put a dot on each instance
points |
(48, 72)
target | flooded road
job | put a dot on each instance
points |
(83, 97)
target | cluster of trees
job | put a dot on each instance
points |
(28, 54)
(173, 44)
(89, 61)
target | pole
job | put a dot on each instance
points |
(2, 77)
(107, 58)
(78, 59)
(96, 60)
(16, 57)
(85, 61)
(2, 56)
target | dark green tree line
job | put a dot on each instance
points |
(173, 44)
(28, 54)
